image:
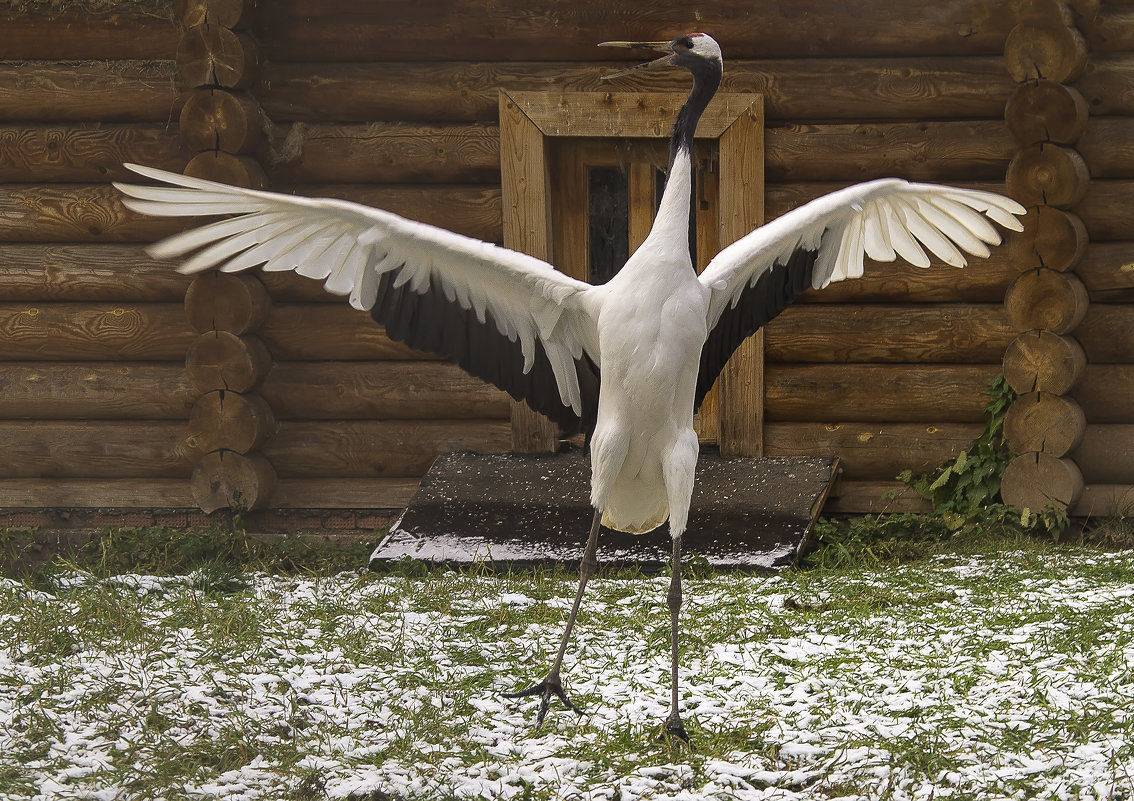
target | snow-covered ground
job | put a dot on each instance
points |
(973, 678)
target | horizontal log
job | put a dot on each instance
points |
(1108, 27)
(874, 497)
(87, 272)
(311, 31)
(946, 332)
(1105, 391)
(94, 331)
(1107, 270)
(1108, 84)
(1106, 453)
(328, 332)
(1105, 334)
(378, 448)
(341, 493)
(380, 390)
(983, 281)
(795, 89)
(383, 153)
(103, 449)
(1107, 145)
(74, 213)
(923, 151)
(872, 451)
(876, 393)
(87, 30)
(1104, 500)
(97, 493)
(104, 90)
(90, 153)
(415, 153)
(95, 391)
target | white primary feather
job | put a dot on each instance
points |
(881, 220)
(348, 246)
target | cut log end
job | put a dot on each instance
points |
(221, 360)
(231, 421)
(1047, 174)
(238, 304)
(1046, 111)
(227, 480)
(1047, 300)
(1036, 481)
(1042, 361)
(1045, 48)
(215, 119)
(1044, 423)
(1051, 238)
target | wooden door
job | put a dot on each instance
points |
(581, 176)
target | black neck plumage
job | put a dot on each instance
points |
(706, 81)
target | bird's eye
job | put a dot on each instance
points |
(687, 43)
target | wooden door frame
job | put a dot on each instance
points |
(529, 119)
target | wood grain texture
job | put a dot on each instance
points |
(220, 119)
(219, 360)
(378, 448)
(233, 421)
(111, 449)
(312, 31)
(1042, 361)
(86, 154)
(217, 301)
(93, 331)
(211, 54)
(1047, 174)
(872, 451)
(1104, 393)
(905, 393)
(94, 391)
(1104, 455)
(99, 493)
(1046, 299)
(340, 493)
(922, 333)
(380, 390)
(1046, 111)
(796, 89)
(1036, 480)
(87, 30)
(328, 332)
(74, 213)
(1104, 333)
(83, 91)
(1051, 238)
(229, 480)
(1044, 422)
(86, 272)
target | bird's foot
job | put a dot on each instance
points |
(674, 730)
(551, 685)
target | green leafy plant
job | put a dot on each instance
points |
(972, 479)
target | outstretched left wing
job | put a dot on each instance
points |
(506, 317)
(758, 276)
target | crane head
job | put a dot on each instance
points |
(688, 51)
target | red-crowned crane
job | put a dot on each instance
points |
(628, 361)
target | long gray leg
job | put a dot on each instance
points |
(673, 725)
(551, 684)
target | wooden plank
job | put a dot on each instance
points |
(1105, 210)
(922, 151)
(904, 393)
(621, 114)
(740, 387)
(94, 331)
(95, 391)
(91, 153)
(473, 210)
(1107, 146)
(328, 332)
(311, 31)
(1108, 84)
(919, 88)
(87, 30)
(1104, 393)
(924, 333)
(74, 213)
(343, 493)
(872, 451)
(80, 91)
(1107, 270)
(1104, 333)
(379, 390)
(358, 448)
(1106, 454)
(102, 449)
(386, 153)
(87, 272)
(98, 493)
(526, 227)
(870, 497)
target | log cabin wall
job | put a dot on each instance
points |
(396, 104)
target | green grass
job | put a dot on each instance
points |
(189, 666)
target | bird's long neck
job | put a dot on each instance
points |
(673, 211)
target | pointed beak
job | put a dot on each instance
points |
(660, 47)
